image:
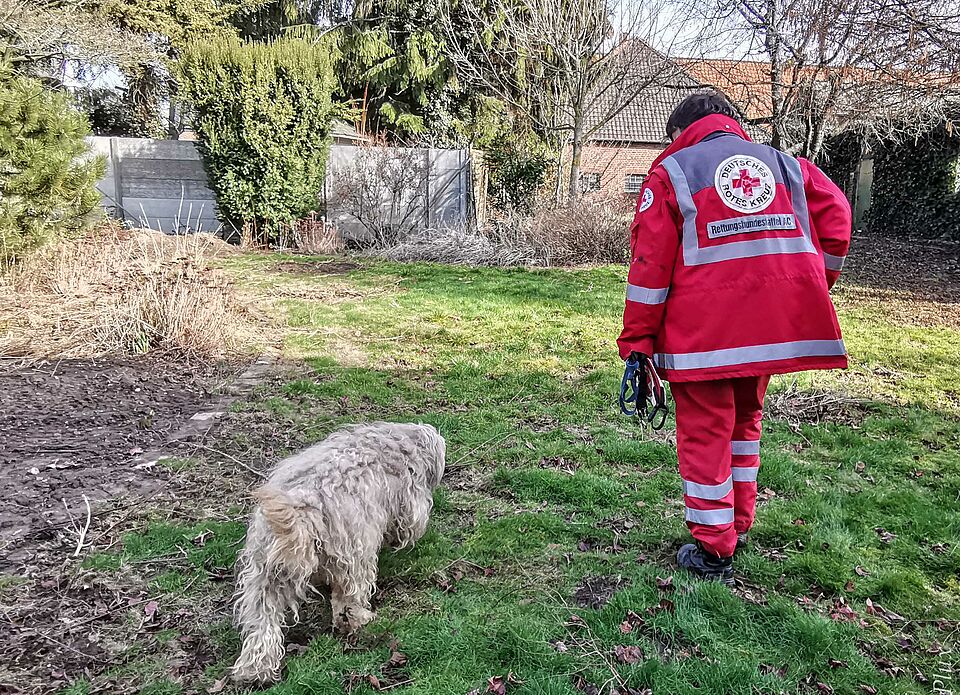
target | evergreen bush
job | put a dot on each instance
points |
(916, 186)
(262, 113)
(47, 180)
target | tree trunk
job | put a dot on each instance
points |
(558, 186)
(576, 151)
(772, 44)
(820, 125)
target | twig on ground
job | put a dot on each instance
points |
(237, 461)
(83, 531)
(396, 685)
(495, 439)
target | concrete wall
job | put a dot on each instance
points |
(863, 194)
(439, 194)
(161, 184)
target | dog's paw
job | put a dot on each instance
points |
(352, 618)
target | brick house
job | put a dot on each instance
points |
(618, 156)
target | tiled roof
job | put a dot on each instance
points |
(745, 82)
(644, 118)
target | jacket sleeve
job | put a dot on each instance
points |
(654, 242)
(830, 216)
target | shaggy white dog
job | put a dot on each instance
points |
(323, 516)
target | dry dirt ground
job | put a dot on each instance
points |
(73, 429)
(73, 432)
(916, 281)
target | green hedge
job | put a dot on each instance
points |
(262, 113)
(915, 186)
(47, 180)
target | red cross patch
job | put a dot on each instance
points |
(746, 182)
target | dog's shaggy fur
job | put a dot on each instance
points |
(323, 516)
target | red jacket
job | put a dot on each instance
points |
(734, 247)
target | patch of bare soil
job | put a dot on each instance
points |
(81, 625)
(596, 592)
(74, 428)
(915, 282)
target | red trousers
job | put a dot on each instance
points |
(718, 445)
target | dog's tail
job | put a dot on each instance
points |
(294, 538)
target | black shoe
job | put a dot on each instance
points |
(694, 559)
(742, 542)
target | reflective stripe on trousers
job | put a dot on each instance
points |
(708, 492)
(740, 449)
(710, 517)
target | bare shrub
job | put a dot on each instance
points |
(592, 231)
(312, 235)
(122, 292)
(596, 230)
(383, 190)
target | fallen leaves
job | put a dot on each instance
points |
(665, 605)
(628, 654)
(631, 622)
(768, 669)
(882, 613)
(665, 584)
(218, 685)
(498, 684)
(390, 674)
(886, 537)
(841, 612)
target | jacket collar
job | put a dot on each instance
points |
(699, 130)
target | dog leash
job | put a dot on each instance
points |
(642, 394)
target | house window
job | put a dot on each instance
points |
(589, 181)
(633, 183)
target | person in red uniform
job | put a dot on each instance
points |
(734, 248)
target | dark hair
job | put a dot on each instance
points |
(696, 106)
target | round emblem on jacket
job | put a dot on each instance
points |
(745, 183)
(646, 200)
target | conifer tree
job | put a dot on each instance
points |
(47, 181)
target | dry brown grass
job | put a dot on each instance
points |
(120, 292)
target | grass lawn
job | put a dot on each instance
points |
(548, 568)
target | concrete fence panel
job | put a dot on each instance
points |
(161, 184)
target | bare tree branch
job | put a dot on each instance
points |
(568, 66)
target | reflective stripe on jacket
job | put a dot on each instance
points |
(734, 247)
